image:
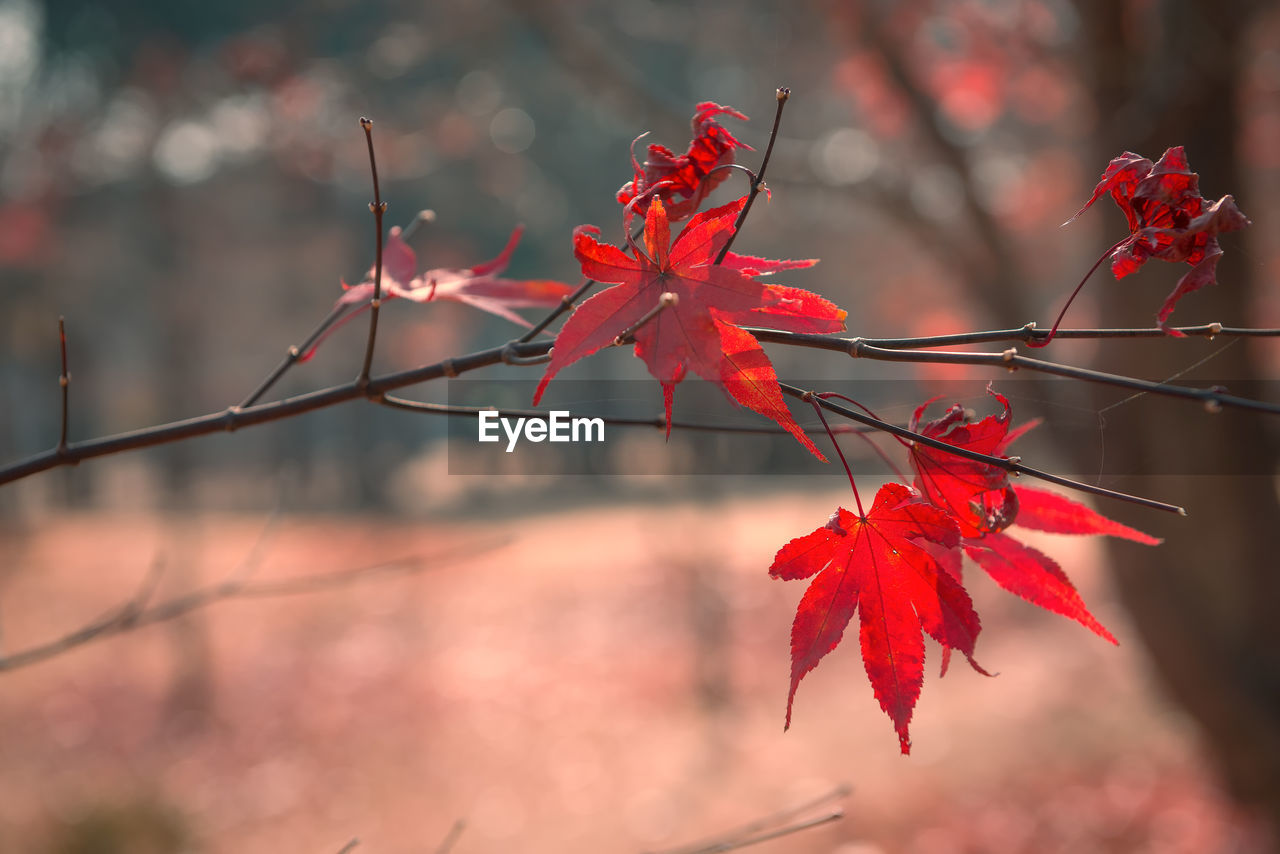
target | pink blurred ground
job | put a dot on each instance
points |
(608, 680)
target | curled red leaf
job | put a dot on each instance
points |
(691, 176)
(1168, 219)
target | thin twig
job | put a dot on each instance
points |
(135, 613)
(752, 828)
(564, 305)
(666, 301)
(64, 382)
(1213, 399)
(451, 838)
(1029, 333)
(757, 180)
(378, 207)
(658, 422)
(350, 846)
(1013, 465)
(296, 352)
(830, 817)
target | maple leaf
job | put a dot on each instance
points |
(875, 565)
(977, 494)
(478, 286)
(1168, 219)
(984, 504)
(689, 176)
(699, 328)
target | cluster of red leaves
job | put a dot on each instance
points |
(687, 178)
(479, 286)
(899, 565)
(1168, 219)
(706, 304)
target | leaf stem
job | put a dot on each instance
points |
(1057, 322)
(815, 401)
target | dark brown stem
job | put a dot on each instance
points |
(757, 180)
(1029, 333)
(658, 422)
(1213, 398)
(378, 207)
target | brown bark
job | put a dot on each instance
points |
(1204, 602)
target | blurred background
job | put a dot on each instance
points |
(584, 663)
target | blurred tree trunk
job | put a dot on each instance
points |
(1204, 602)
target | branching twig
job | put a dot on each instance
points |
(236, 418)
(1213, 398)
(295, 353)
(759, 831)
(136, 613)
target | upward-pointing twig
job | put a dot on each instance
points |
(378, 207)
(757, 180)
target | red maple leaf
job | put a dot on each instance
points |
(689, 175)
(1168, 219)
(698, 329)
(977, 494)
(984, 504)
(875, 565)
(478, 286)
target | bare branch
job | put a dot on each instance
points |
(378, 207)
(1013, 465)
(136, 613)
(451, 838)
(1213, 399)
(758, 831)
(657, 422)
(236, 418)
(297, 352)
(757, 180)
